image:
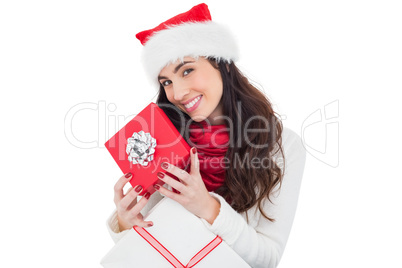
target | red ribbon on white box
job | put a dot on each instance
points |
(170, 257)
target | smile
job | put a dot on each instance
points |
(192, 103)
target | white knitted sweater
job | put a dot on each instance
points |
(259, 241)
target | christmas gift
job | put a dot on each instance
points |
(144, 143)
(177, 239)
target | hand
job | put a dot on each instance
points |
(128, 210)
(193, 195)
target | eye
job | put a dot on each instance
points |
(187, 71)
(166, 83)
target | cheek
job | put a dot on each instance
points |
(215, 87)
(214, 79)
(200, 81)
(169, 95)
(207, 83)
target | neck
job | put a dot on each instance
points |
(216, 117)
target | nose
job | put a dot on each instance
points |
(180, 91)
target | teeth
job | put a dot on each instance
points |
(191, 104)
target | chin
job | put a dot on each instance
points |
(198, 118)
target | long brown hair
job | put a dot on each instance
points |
(244, 186)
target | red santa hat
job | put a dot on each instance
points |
(192, 34)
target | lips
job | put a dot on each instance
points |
(193, 104)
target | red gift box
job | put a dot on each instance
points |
(144, 143)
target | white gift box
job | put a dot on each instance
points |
(177, 234)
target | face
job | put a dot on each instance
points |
(195, 87)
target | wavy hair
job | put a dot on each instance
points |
(244, 186)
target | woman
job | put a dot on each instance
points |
(237, 183)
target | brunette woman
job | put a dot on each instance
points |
(246, 169)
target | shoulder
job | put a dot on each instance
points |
(290, 139)
(293, 148)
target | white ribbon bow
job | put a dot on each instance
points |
(141, 148)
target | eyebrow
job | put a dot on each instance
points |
(175, 69)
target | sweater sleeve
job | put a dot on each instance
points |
(113, 225)
(259, 241)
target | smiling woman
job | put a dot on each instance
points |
(195, 87)
(237, 183)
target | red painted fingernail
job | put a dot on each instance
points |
(150, 224)
(160, 175)
(165, 165)
(138, 188)
(157, 187)
(194, 150)
(147, 195)
(128, 175)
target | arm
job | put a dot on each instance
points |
(261, 242)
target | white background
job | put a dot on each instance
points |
(307, 55)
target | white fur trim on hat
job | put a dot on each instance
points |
(207, 39)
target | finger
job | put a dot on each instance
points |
(136, 210)
(195, 162)
(167, 193)
(118, 187)
(171, 181)
(141, 223)
(179, 173)
(130, 197)
(145, 224)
